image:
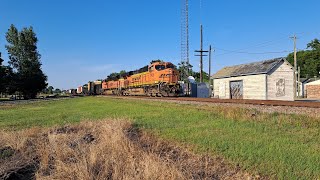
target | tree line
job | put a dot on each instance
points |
(23, 75)
(308, 60)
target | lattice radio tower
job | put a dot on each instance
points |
(185, 36)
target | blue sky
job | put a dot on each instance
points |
(83, 40)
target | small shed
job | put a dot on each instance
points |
(264, 80)
(302, 84)
(313, 89)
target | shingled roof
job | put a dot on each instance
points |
(261, 67)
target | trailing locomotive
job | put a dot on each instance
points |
(157, 79)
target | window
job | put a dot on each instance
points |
(160, 67)
(151, 68)
(170, 66)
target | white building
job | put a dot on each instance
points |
(265, 80)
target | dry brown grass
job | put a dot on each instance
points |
(104, 150)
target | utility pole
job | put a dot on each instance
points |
(210, 57)
(299, 88)
(201, 51)
(209, 62)
(295, 65)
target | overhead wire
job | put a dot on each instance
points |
(245, 52)
(264, 44)
(260, 45)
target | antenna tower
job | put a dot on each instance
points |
(185, 36)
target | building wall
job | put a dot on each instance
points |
(254, 87)
(280, 83)
(313, 91)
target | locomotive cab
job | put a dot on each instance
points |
(159, 66)
(164, 72)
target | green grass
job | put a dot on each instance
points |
(274, 145)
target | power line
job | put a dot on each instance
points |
(259, 45)
(245, 52)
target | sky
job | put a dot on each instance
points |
(81, 40)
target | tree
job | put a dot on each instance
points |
(25, 60)
(185, 70)
(122, 72)
(308, 60)
(50, 90)
(184, 66)
(2, 76)
(314, 45)
(156, 60)
(11, 80)
(7, 79)
(205, 76)
(113, 76)
(57, 91)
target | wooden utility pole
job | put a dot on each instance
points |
(209, 62)
(201, 51)
(299, 87)
(295, 65)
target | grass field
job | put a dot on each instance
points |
(273, 145)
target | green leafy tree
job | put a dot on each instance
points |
(308, 60)
(205, 75)
(11, 80)
(57, 91)
(50, 90)
(314, 45)
(7, 79)
(2, 76)
(185, 70)
(25, 60)
(157, 60)
(113, 76)
(122, 72)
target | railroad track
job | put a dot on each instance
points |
(298, 103)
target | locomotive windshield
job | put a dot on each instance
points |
(160, 67)
(170, 65)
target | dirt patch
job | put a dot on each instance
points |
(17, 158)
(104, 150)
(191, 165)
(6, 152)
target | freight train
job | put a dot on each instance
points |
(157, 79)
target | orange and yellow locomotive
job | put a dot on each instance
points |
(158, 79)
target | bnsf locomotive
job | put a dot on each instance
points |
(157, 79)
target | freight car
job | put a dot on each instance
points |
(82, 90)
(94, 87)
(157, 79)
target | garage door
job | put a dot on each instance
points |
(236, 89)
